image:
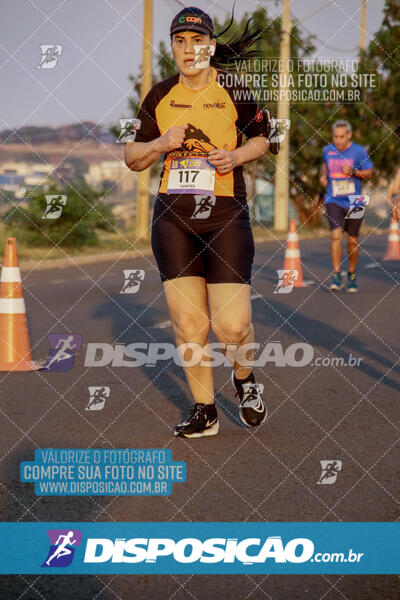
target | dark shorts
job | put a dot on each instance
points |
(199, 236)
(336, 218)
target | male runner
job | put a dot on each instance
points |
(346, 165)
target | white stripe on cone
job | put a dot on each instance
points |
(394, 237)
(292, 237)
(10, 274)
(12, 306)
(292, 253)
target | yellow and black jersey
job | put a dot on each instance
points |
(217, 116)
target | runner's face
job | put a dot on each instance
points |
(341, 138)
(183, 51)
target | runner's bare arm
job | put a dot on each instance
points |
(140, 155)
(254, 148)
(389, 193)
(226, 160)
(395, 206)
(393, 201)
(323, 175)
(360, 173)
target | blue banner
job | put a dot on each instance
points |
(206, 548)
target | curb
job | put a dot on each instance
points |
(81, 259)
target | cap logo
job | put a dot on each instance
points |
(190, 19)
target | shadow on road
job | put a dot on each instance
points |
(323, 335)
(131, 323)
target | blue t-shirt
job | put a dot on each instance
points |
(341, 186)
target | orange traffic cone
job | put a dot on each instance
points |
(15, 349)
(393, 247)
(292, 255)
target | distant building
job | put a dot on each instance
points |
(17, 176)
(113, 171)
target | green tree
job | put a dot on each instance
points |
(377, 118)
(82, 216)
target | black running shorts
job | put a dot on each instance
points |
(204, 236)
(336, 218)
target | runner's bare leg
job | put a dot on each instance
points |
(187, 302)
(336, 248)
(352, 249)
(230, 309)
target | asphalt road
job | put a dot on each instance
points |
(316, 413)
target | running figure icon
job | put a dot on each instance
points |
(287, 279)
(54, 208)
(203, 206)
(50, 56)
(62, 354)
(63, 349)
(62, 549)
(133, 279)
(329, 471)
(98, 397)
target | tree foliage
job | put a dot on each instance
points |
(377, 119)
(82, 217)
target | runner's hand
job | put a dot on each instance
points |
(223, 159)
(396, 210)
(323, 180)
(346, 169)
(172, 139)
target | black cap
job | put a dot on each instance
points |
(192, 19)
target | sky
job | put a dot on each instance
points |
(102, 42)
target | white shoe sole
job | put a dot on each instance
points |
(213, 430)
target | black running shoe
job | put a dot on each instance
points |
(203, 420)
(252, 409)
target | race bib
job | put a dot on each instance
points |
(193, 175)
(343, 187)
